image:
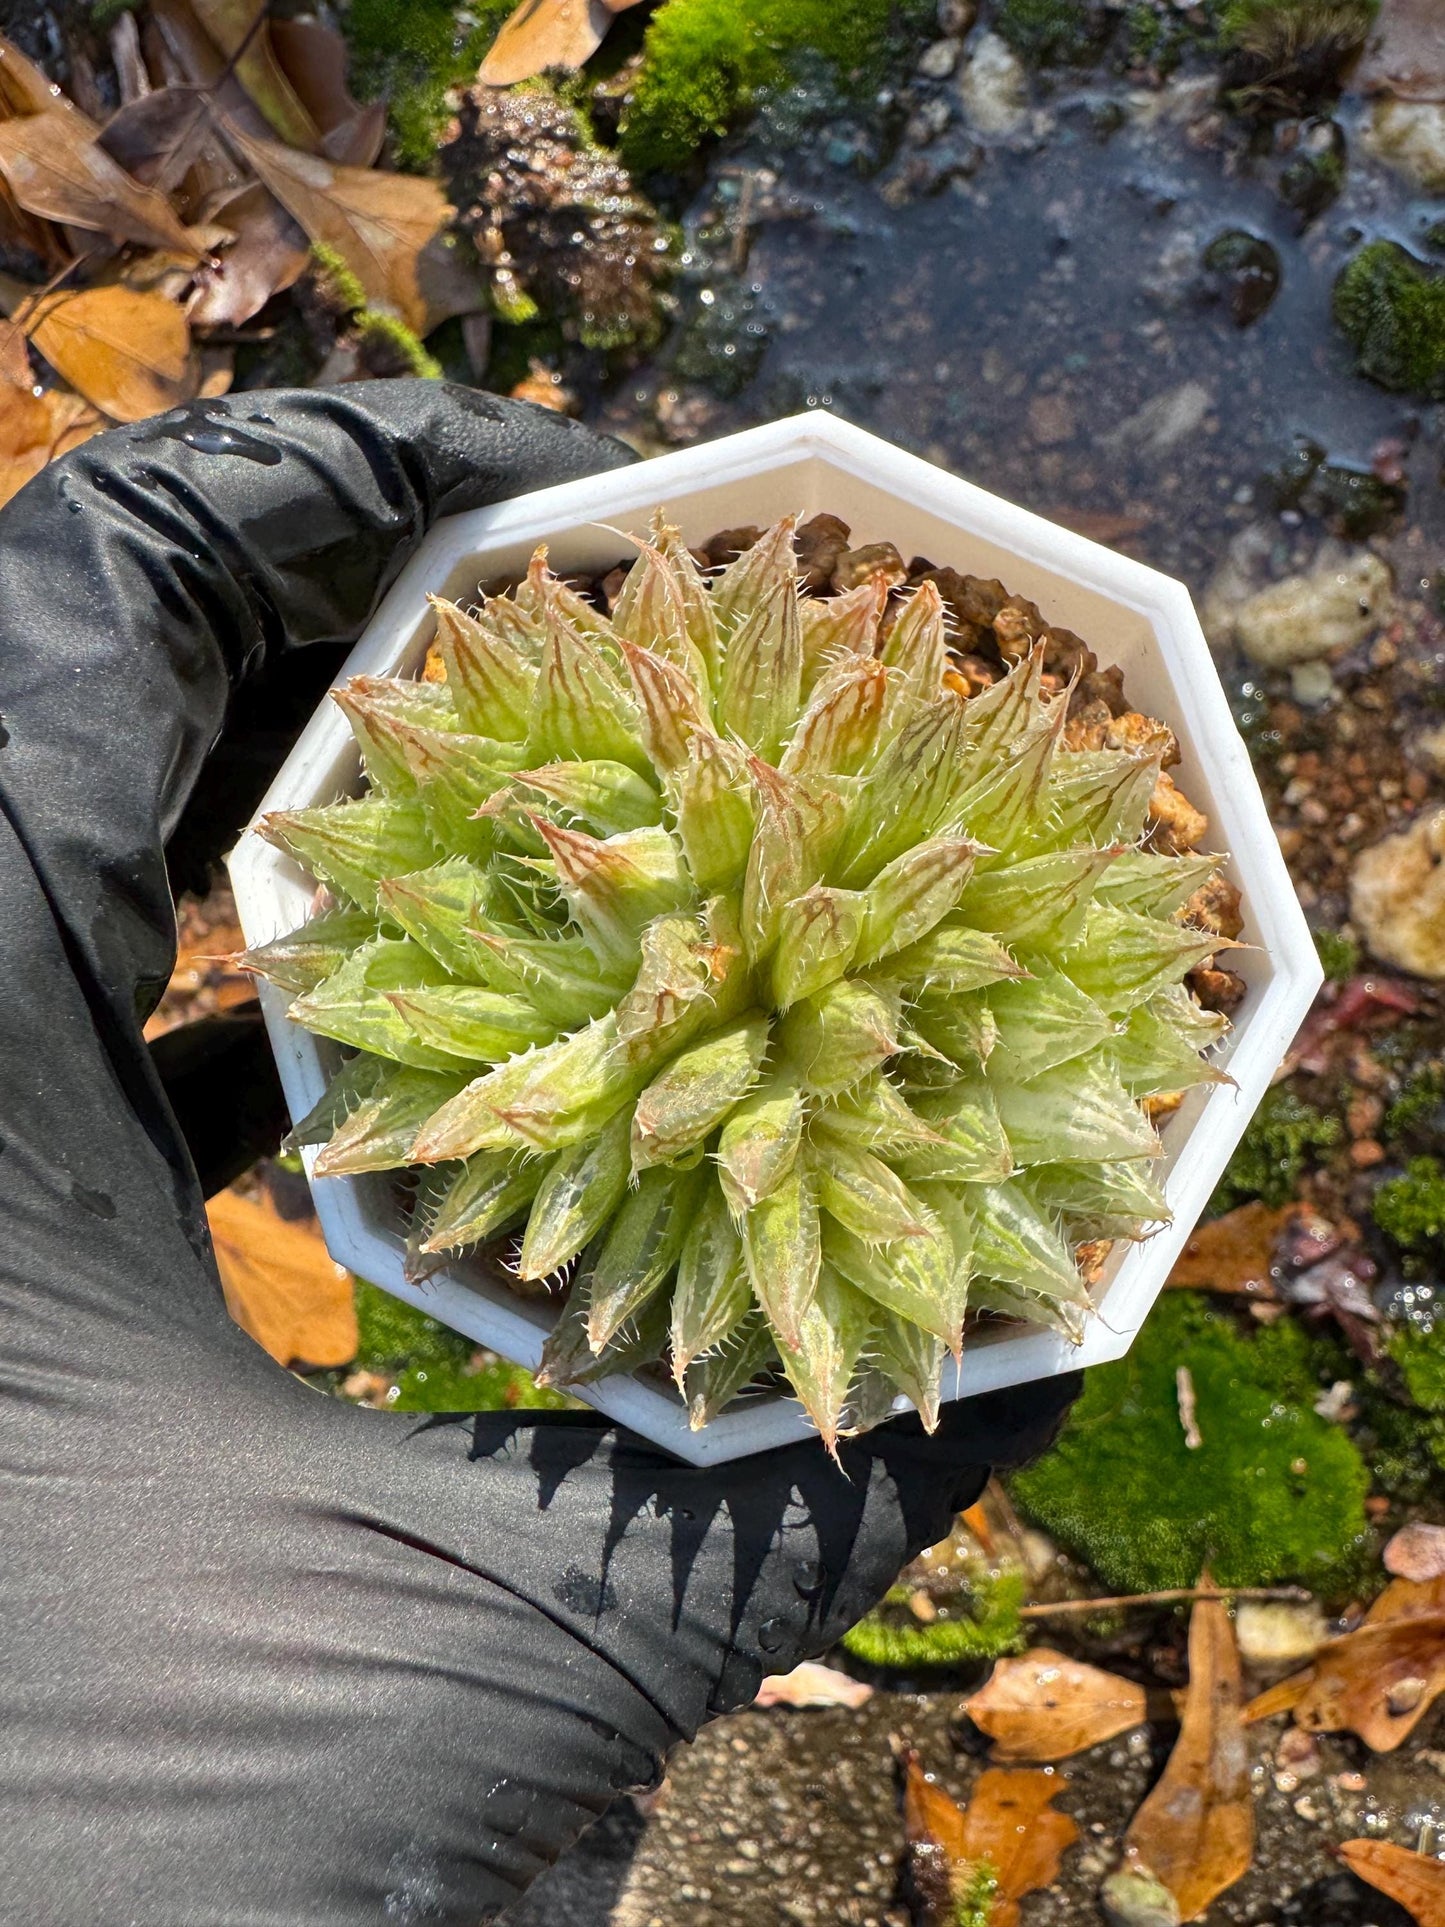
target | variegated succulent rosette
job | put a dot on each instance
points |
(729, 968)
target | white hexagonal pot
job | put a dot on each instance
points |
(1128, 613)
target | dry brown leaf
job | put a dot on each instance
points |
(1406, 52)
(543, 34)
(1412, 1880)
(1232, 1254)
(314, 58)
(127, 351)
(125, 56)
(1010, 1822)
(812, 1685)
(24, 89)
(378, 223)
(1417, 1552)
(34, 428)
(56, 167)
(1378, 1681)
(1195, 1831)
(244, 38)
(281, 1284)
(1045, 1706)
(268, 254)
(156, 138)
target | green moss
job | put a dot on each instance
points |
(1404, 1446)
(892, 1638)
(1284, 1135)
(973, 1899)
(705, 62)
(1392, 307)
(1419, 1351)
(404, 345)
(1410, 1210)
(1273, 1493)
(1049, 33)
(432, 1365)
(1270, 27)
(1339, 955)
(1418, 1102)
(413, 51)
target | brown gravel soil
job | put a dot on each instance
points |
(790, 1819)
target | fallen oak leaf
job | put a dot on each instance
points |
(314, 58)
(813, 1685)
(156, 137)
(240, 29)
(126, 350)
(378, 223)
(1009, 1831)
(1232, 1254)
(1195, 1830)
(280, 1283)
(1378, 1681)
(542, 34)
(55, 166)
(1045, 1706)
(26, 88)
(1413, 1881)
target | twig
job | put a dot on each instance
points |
(1172, 1596)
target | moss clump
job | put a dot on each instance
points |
(1418, 1102)
(1286, 52)
(974, 1896)
(384, 332)
(413, 51)
(1410, 1210)
(891, 1638)
(1339, 955)
(705, 62)
(1392, 307)
(1282, 1137)
(1049, 33)
(432, 1365)
(1419, 1351)
(1273, 1493)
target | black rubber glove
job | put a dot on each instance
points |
(266, 1657)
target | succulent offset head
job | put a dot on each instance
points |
(731, 955)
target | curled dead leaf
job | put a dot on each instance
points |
(1010, 1826)
(55, 166)
(1413, 1881)
(127, 351)
(34, 427)
(314, 59)
(542, 34)
(1045, 1706)
(268, 254)
(281, 1284)
(1195, 1830)
(1378, 1681)
(1232, 1254)
(378, 223)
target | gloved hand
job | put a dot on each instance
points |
(269, 1658)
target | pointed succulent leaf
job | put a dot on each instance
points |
(357, 1079)
(1040, 901)
(761, 680)
(377, 1131)
(652, 612)
(865, 1196)
(441, 907)
(456, 777)
(1098, 797)
(712, 1294)
(352, 846)
(1017, 1244)
(758, 1145)
(768, 566)
(1005, 715)
(1032, 1307)
(712, 1382)
(951, 960)
(561, 976)
(299, 960)
(833, 1039)
(1153, 886)
(545, 598)
(381, 711)
(1098, 1200)
(686, 979)
(783, 1250)
(490, 678)
(489, 1194)
(961, 1030)
(605, 798)
(577, 1197)
(910, 1360)
(817, 935)
(615, 885)
(820, 1364)
(476, 1025)
(1152, 1054)
(687, 1101)
(913, 790)
(913, 893)
(544, 1100)
(836, 627)
(581, 707)
(798, 820)
(638, 1342)
(838, 732)
(1043, 1021)
(697, 602)
(974, 1150)
(639, 1250)
(916, 645)
(916, 1277)
(874, 1116)
(671, 708)
(716, 813)
(1121, 959)
(353, 1006)
(1078, 1110)
(1002, 808)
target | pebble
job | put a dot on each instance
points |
(1132, 1897)
(1311, 683)
(1429, 746)
(1397, 897)
(1410, 135)
(938, 61)
(994, 87)
(1306, 617)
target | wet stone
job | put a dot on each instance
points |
(1241, 271)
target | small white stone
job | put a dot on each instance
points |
(1306, 617)
(1276, 1633)
(1410, 136)
(1397, 897)
(1312, 684)
(938, 61)
(994, 87)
